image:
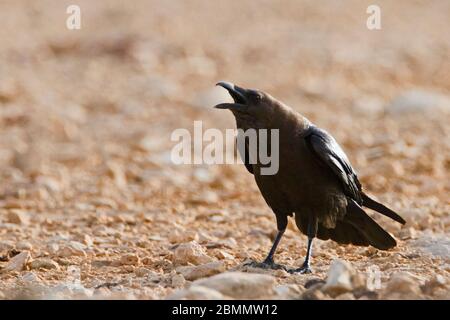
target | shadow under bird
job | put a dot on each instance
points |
(315, 181)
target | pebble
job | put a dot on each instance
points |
(18, 216)
(24, 245)
(18, 262)
(190, 252)
(401, 284)
(142, 272)
(29, 277)
(240, 285)
(178, 280)
(288, 291)
(73, 248)
(44, 263)
(129, 259)
(407, 233)
(196, 293)
(436, 246)
(341, 278)
(201, 271)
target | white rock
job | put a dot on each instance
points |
(190, 252)
(18, 262)
(240, 285)
(342, 277)
(44, 263)
(196, 293)
(401, 284)
(434, 245)
(201, 271)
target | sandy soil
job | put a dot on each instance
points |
(90, 203)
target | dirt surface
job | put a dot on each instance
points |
(91, 204)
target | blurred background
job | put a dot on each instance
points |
(86, 117)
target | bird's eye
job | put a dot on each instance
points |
(257, 96)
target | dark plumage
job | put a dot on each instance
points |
(315, 181)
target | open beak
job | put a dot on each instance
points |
(238, 95)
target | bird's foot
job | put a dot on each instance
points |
(266, 264)
(304, 269)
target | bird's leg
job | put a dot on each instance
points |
(268, 262)
(312, 231)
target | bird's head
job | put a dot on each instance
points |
(255, 107)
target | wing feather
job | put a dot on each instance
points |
(331, 155)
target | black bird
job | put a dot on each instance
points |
(315, 180)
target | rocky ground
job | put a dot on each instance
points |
(92, 207)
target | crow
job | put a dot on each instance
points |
(315, 181)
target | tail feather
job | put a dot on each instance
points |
(343, 233)
(374, 234)
(374, 205)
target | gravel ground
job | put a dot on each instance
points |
(92, 207)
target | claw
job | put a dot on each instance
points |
(304, 269)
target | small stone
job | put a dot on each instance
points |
(341, 278)
(129, 259)
(178, 280)
(223, 255)
(401, 284)
(190, 252)
(29, 277)
(201, 271)
(240, 285)
(288, 291)
(437, 246)
(18, 216)
(147, 261)
(178, 236)
(52, 248)
(6, 245)
(44, 263)
(88, 240)
(407, 233)
(142, 272)
(196, 293)
(313, 282)
(18, 262)
(314, 293)
(24, 245)
(73, 248)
